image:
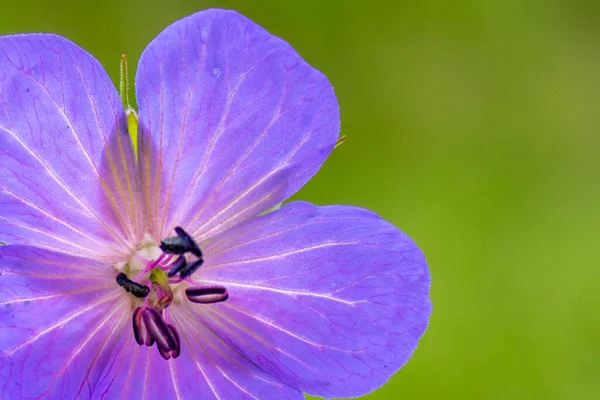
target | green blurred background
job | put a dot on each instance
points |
(474, 127)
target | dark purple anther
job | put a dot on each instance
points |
(177, 351)
(206, 294)
(136, 289)
(159, 330)
(180, 244)
(177, 266)
(141, 334)
(173, 353)
(190, 268)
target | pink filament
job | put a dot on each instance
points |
(162, 262)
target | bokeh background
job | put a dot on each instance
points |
(474, 126)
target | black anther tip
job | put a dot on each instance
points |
(177, 266)
(180, 244)
(136, 289)
(190, 268)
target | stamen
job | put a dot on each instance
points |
(173, 353)
(141, 334)
(136, 289)
(149, 327)
(190, 268)
(180, 244)
(177, 351)
(194, 249)
(159, 330)
(175, 279)
(177, 265)
(206, 294)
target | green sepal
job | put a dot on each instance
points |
(339, 141)
(274, 208)
(132, 125)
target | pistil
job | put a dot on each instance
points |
(162, 270)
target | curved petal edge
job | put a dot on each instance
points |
(232, 120)
(330, 300)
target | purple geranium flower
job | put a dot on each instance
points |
(160, 276)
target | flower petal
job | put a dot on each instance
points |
(57, 328)
(232, 122)
(329, 300)
(66, 161)
(206, 369)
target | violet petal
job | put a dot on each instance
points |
(244, 119)
(57, 313)
(193, 375)
(68, 182)
(330, 300)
